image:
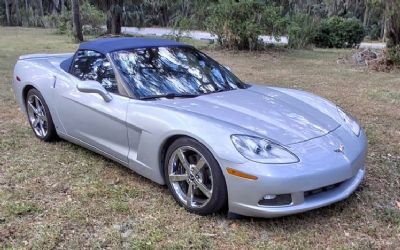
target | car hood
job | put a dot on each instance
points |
(269, 113)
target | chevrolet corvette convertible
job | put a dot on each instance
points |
(174, 115)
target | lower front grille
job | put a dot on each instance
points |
(321, 190)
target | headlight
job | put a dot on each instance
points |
(350, 121)
(262, 150)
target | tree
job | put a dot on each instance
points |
(55, 7)
(114, 9)
(393, 22)
(8, 14)
(76, 21)
(115, 16)
(41, 11)
(17, 13)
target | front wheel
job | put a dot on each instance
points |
(194, 177)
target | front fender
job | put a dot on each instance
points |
(150, 126)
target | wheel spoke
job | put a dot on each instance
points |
(189, 195)
(35, 122)
(32, 107)
(199, 165)
(203, 188)
(183, 160)
(178, 177)
(41, 127)
(37, 116)
(36, 102)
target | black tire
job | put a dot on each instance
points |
(51, 130)
(219, 196)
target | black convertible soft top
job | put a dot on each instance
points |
(106, 45)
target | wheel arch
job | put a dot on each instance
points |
(171, 139)
(25, 91)
(163, 151)
(24, 94)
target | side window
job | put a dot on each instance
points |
(91, 65)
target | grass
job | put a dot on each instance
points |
(58, 195)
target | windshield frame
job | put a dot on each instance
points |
(240, 84)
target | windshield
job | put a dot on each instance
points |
(172, 71)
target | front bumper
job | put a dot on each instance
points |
(320, 166)
(300, 203)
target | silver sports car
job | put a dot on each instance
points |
(174, 115)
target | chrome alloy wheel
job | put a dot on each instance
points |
(190, 176)
(37, 116)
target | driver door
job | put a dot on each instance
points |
(87, 117)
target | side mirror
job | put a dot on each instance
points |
(91, 86)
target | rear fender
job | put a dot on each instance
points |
(38, 74)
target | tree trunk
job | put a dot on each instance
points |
(62, 6)
(76, 21)
(366, 15)
(55, 7)
(393, 23)
(17, 13)
(115, 17)
(7, 12)
(26, 7)
(41, 12)
(383, 24)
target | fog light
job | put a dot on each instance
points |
(276, 200)
(269, 197)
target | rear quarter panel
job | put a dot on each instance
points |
(40, 73)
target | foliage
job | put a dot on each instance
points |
(393, 33)
(393, 26)
(373, 31)
(62, 23)
(301, 31)
(338, 32)
(394, 54)
(165, 13)
(31, 19)
(238, 21)
(374, 19)
(182, 25)
(91, 17)
(238, 24)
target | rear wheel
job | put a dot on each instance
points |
(194, 177)
(39, 116)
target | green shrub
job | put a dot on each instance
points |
(182, 25)
(394, 54)
(339, 32)
(31, 19)
(92, 20)
(238, 24)
(374, 32)
(62, 23)
(301, 31)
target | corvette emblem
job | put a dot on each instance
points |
(340, 149)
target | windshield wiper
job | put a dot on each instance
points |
(168, 96)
